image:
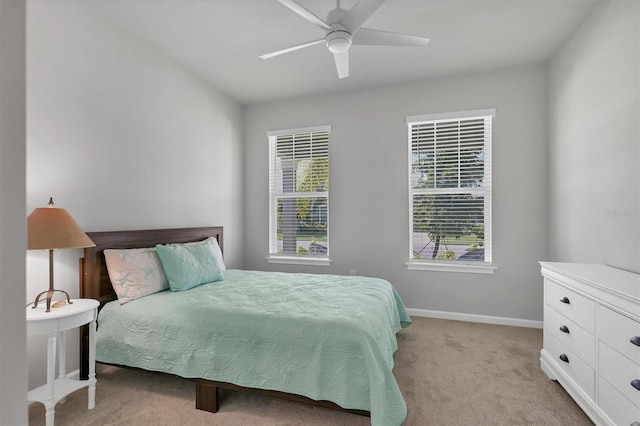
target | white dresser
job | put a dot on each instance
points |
(592, 338)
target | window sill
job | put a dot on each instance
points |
(483, 268)
(299, 260)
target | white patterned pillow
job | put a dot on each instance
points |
(135, 273)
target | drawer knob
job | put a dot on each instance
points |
(565, 358)
(636, 341)
(636, 384)
(564, 329)
(565, 300)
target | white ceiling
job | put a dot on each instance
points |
(220, 40)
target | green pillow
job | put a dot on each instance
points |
(189, 265)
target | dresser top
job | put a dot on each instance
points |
(612, 280)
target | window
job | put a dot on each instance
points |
(450, 191)
(299, 196)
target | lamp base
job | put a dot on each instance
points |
(48, 296)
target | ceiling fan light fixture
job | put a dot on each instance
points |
(338, 41)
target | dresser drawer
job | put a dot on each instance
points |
(571, 304)
(570, 333)
(619, 371)
(576, 368)
(619, 331)
(619, 409)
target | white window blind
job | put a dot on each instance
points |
(450, 188)
(299, 193)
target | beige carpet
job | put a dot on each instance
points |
(449, 372)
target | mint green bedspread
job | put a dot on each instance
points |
(326, 337)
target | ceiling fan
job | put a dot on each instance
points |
(343, 29)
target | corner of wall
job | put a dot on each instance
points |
(13, 233)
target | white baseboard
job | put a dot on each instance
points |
(456, 316)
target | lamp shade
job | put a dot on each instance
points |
(53, 228)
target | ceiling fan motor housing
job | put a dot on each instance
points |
(338, 40)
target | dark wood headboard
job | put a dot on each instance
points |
(94, 278)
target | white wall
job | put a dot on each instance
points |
(13, 232)
(369, 189)
(123, 139)
(594, 141)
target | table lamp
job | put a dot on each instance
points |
(51, 228)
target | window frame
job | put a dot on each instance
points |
(485, 267)
(293, 259)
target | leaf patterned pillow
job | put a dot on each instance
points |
(135, 273)
(217, 253)
(189, 265)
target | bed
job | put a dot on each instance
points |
(320, 339)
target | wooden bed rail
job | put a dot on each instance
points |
(207, 397)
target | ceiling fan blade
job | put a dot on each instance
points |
(366, 36)
(306, 14)
(290, 49)
(359, 13)
(342, 63)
